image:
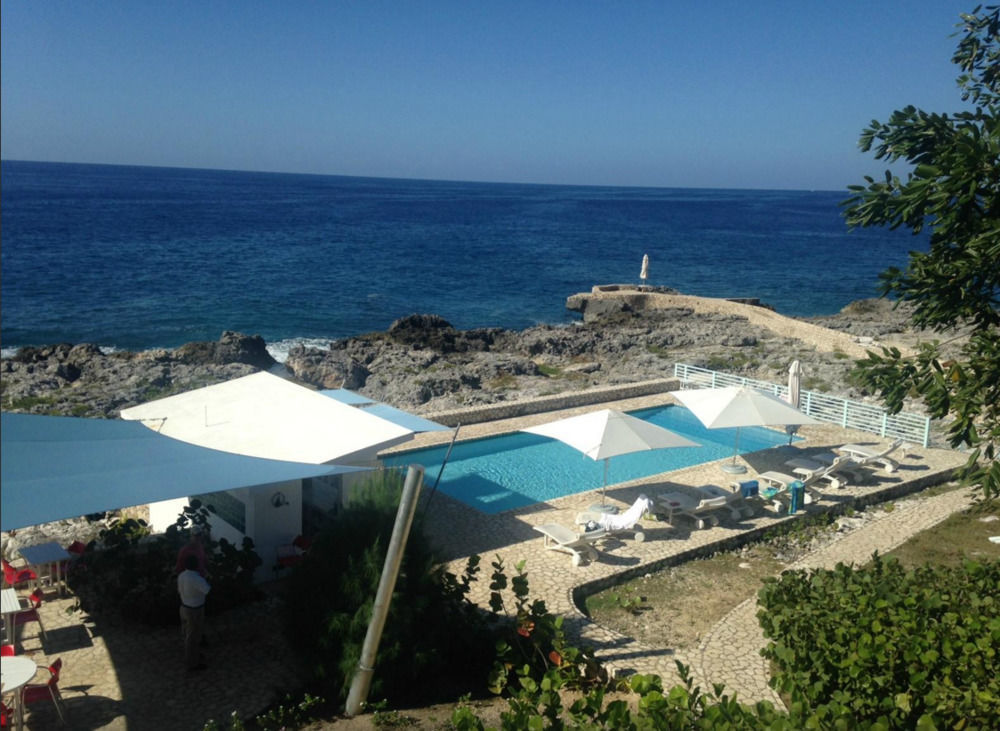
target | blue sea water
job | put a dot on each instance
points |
(140, 257)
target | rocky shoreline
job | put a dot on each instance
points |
(423, 364)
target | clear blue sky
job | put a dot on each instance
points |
(727, 94)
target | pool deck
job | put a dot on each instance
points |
(118, 678)
(462, 531)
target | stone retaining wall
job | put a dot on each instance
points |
(569, 400)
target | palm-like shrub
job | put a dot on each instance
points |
(435, 642)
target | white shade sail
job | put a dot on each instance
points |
(263, 415)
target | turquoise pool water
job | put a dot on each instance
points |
(514, 470)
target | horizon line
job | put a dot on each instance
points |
(418, 179)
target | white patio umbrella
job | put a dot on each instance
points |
(644, 272)
(794, 385)
(739, 406)
(794, 382)
(609, 433)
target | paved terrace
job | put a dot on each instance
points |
(123, 678)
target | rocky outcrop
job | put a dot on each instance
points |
(232, 347)
(83, 380)
(424, 364)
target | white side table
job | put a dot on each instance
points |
(10, 604)
(15, 672)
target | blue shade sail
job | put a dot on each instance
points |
(397, 416)
(56, 467)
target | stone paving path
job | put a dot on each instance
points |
(730, 652)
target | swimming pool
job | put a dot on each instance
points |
(510, 471)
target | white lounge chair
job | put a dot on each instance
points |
(613, 523)
(864, 455)
(807, 468)
(835, 474)
(735, 502)
(700, 510)
(560, 538)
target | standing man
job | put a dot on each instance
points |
(193, 590)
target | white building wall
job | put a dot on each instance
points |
(164, 514)
(273, 524)
(271, 521)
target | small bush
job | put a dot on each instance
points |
(128, 574)
(882, 644)
(435, 645)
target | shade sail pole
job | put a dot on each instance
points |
(362, 681)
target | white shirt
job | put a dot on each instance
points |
(192, 587)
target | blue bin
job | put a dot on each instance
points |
(798, 491)
(749, 488)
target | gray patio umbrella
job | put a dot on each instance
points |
(609, 433)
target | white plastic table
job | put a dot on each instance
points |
(10, 604)
(47, 557)
(15, 672)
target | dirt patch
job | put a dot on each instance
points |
(674, 608)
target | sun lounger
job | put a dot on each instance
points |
(560, 538)
(835, 474)
(865, 456)
(735, 502)
(783, 483)
(701, 510)
(807, 468)
(613, 524)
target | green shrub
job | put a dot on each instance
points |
(128, 574)
(886, 645)
(435, 642)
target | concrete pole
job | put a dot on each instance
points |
(362, 680)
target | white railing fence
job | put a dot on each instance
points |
(831, 409)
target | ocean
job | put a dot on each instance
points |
(142, 257)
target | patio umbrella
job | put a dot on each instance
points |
(609, 433)
(644, 272)
(739, 406)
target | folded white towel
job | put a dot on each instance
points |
(630, 517)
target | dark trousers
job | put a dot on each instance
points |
(192, 626)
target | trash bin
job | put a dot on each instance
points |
(749, 488)
(798, 491)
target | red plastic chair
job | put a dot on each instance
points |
(7, 651)
(14, 576)
(291, 554)
(30, 614)
(44, 691)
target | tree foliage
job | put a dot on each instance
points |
(129, 573)
(953, 191)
